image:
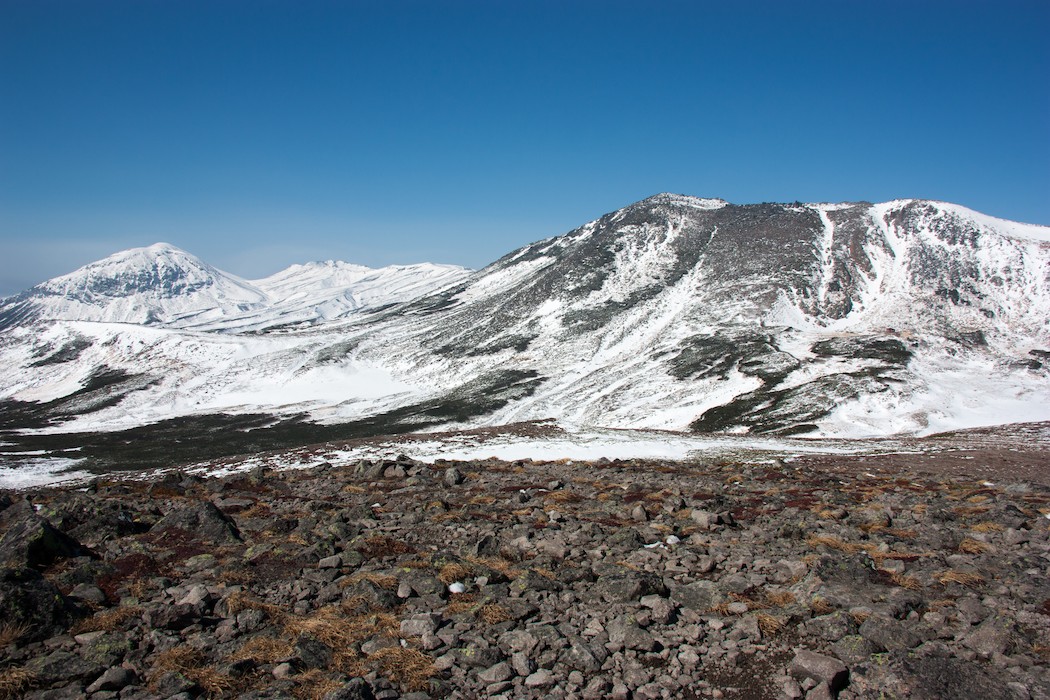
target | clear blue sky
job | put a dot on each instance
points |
(260, 133)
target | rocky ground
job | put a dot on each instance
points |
(398, 579)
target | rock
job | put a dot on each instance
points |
(27, 540)
(114, 678)
(311, 653)
(497, 673)
(202, 520)
(854, 648)
(453, 477)
(993, 636)
(625, 631)
(29, 600)
(579, 656)
(172, 617)
(354, 689)
(700, 595)
(821, 692)
(419, 625)
(628, 586)
(821, 668)
(888, 634)
(902, 674)
(540, 679)
(62, 666)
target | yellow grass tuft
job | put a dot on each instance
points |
(493, 614)
(332, 627)
(963, 578)
(107, 620)
(409, 668)
(859, 616)
(909, 582)
(11, 632)
(972, 546)
(779, 599)
(460, 603)
(314, 685)
(820, 606)
(564, 497)
(263, 650)
(986, 526)
(14, 681)
(768, 624)
(190, 662)
(453, 572)
(834, 543)
(499, 564)
(382, 580)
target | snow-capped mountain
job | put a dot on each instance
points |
(159, 284)
(164, 286)
(673, 313)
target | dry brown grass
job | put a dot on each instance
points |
(331, 626)
(493, 614)
(972, 546)
(14, 681)
(1042, 651)
(241, 600)
(141, 587)
(901, 533)
(722, 609)
(821, 607)
(107, 620)
(191, 663)
(354, 488)
(410, 668)
(382, 580)
(986, 526)
(548, 574)
(859, 616)
(963, 578)
(965, 511)
(909, 582)
(834, 543)
(452, 572)
(11, 632)
(779, 599)
(499, 564)
(314, 685)
(768, 624)
(461, 603)
(563, 497)
(482, 500)
(263, 650)
(383, 546)
(825, 513)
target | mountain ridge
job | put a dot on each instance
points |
(673, 313)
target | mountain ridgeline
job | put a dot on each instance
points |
(673, 313)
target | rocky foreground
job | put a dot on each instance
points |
(398, 579)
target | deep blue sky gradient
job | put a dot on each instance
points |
(260, 133)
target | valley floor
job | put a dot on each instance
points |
(921, 571)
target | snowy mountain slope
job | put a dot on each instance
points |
(675, 312)
(163, 286)
(672, 313)
(156, 285)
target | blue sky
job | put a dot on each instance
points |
(258, 133)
